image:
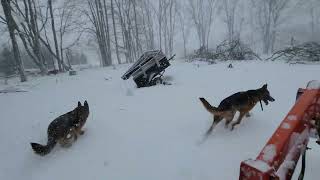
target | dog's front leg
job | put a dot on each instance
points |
(81, 132)
(73, 132)
(238, 120)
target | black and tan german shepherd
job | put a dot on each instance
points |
(240, 101)
(64, 129)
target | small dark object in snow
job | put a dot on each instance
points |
(12, 90)
(230, 66)
(166, 83)
(53, 72)
(72, 73)
(148, 69)
(293, 63)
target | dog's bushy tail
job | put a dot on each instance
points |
(43, 150)
(208, 106)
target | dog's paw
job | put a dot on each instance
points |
(81, 132)
(232, 127)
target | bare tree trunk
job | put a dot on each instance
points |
(312, 14)
(172, 23)
(124, 31)
(160, 23)
(150, 30)
(202, 17)
(115, 33)
(129, 35)
(54, 35)
(101, 26)
(99, 20)
(12, 27)
(138, 45)
(36, 36)
(106, 25)
(184, 31)
(165, 27)
(126, 26)
(29, 32)
(184, 43)
(268, 13)
(229, 7)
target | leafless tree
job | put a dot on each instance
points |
(99, 18)
(148, 25)
(184, 27)
(29, 30)
(268, 13)
(171, 27)
(166, 14)
(229, 9)
(69, 23)
(202, 15)
(160, 19)
(65, 20)
(53, 28)
(313, 7)
(12, 27)
(115, 32)
(137, 39)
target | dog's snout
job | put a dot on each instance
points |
(271, 98)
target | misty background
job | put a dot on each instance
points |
(58, 34)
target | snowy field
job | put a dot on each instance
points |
(147, 133)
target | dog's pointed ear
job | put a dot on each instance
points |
(265, 86)
(86, 103)
(79, 104)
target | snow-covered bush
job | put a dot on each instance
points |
(309, 51)
(235, 50)
(227, 50)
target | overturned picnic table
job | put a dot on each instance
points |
(148, 69)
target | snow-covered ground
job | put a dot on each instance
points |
(147, 133)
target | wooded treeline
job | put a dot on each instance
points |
(50, 33)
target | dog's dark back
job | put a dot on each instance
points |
(61, 125)
(235, 100)
(240, 99)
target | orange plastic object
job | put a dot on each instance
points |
(279, 157)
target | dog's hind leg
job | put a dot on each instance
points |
(68, 139)
(216, 120)
(65, 142)
(248, 114)
(242, 113)
(229, 118)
